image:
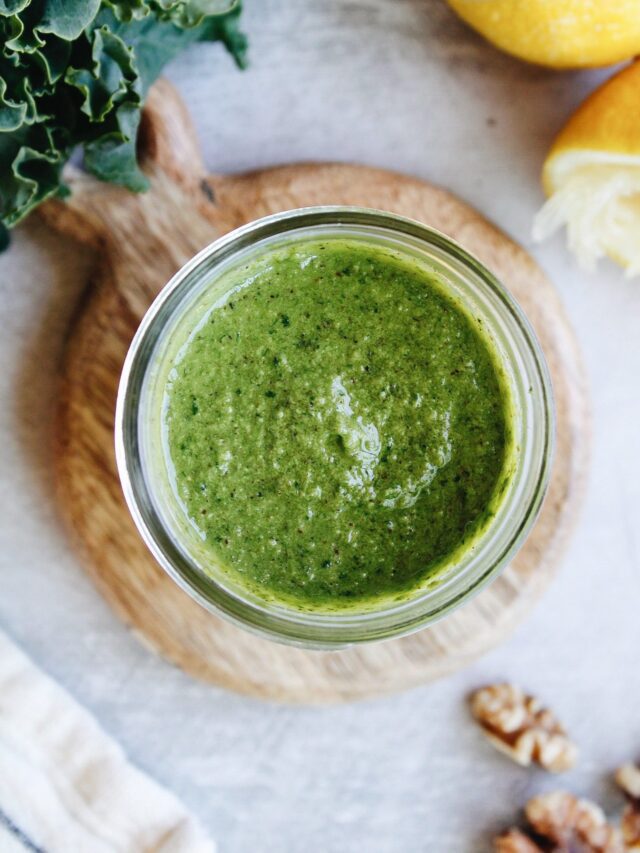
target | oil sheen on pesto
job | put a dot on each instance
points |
(338, 426)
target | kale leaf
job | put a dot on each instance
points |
(74, 73)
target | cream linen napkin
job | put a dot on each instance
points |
(66, 787)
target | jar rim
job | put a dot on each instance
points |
(324, 629)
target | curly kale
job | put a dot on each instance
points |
(74, 73)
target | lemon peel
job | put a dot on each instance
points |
(558, 33)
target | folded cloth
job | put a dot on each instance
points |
(66, 787)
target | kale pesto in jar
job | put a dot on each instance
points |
(339, 427)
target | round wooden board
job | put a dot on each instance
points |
(140, 241)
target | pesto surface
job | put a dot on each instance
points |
(338, 426)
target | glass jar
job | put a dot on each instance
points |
(142, 454)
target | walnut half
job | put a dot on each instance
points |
(628, 778)
(517, 724)
(573, 824)
(515, 841)
(561, 823)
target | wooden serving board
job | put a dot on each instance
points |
(140, 241)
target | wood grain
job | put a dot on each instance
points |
(140, 241)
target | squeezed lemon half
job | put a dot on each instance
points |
(592, 176)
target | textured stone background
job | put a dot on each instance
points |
(399, 84)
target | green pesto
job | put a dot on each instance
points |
(339, 426)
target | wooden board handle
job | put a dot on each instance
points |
(167, 136)
(98, 213)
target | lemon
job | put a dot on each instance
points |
(559, 33)
(592, 176)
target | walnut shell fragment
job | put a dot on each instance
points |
(561, 823)
(518, 725)
(628, 778)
